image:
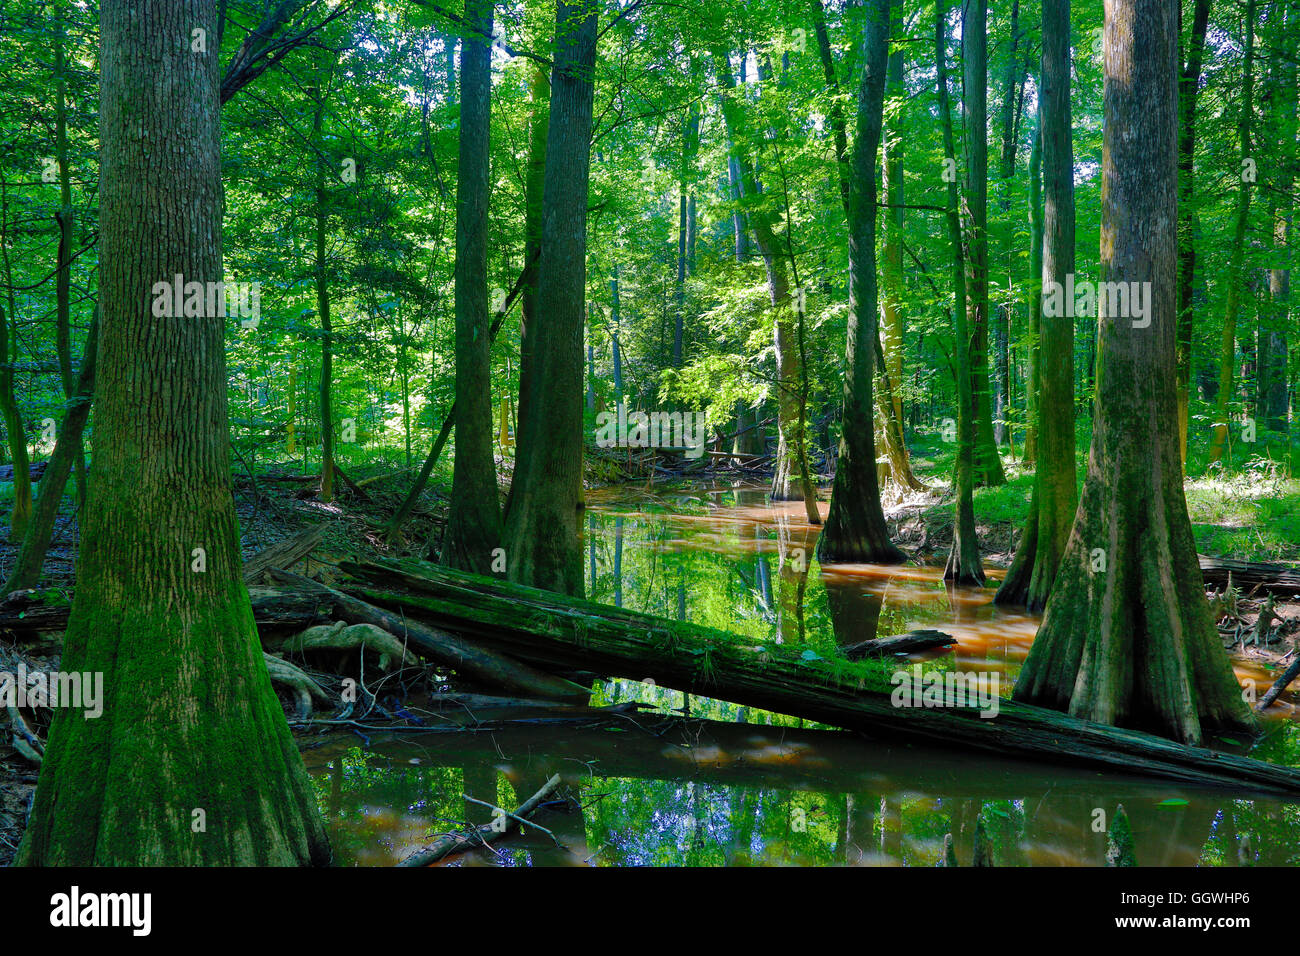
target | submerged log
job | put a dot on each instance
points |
(552, 630)
(922, 640)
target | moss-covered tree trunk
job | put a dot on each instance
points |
(474, 519)
(855, 523)
(191, 761)
(543, 539)
(964, 565)
(1052, 504)
(1127, 637)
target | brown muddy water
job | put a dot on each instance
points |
(700, 782)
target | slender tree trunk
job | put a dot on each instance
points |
(1188, 87)
(690, 144)
(855, 524)
(1273, 334)
(22, 508)
(988, 463)
(1127, 637)
(1052, 504)
(964, 565)
(895, 463)
(534, 181)
(63, 279)
(26, 571)
(963, 561)
(326, 327)
(543, 539)
(1011, 81)
(191, 762)
(1034, 345)
(1232, 300)
(474, 518)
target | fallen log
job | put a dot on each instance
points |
(285, 553)
(273, 609)
(921, 640)
(552, 630)
(450, 843)
(35, 471)
(465, 657)
(1248, 575)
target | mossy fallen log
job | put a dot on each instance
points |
(559, 632)
(466, 658)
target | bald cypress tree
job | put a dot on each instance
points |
(1127, 638)
(855, 523)
(191, 761)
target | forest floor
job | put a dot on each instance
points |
(1251, 515)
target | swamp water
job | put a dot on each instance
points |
(698, 782)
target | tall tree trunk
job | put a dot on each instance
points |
(474, 518)
(690, 145)
(895, 463)
(1232, 300)
(1188, 87)
(1054, 498)
(963, 565)
(1127, 637)
(1011, 81)
(534, 182)
(988, 464)
(855, 524)
(192, 762)
(63, 279)
(326, 327)
(1273, 334)
(543, 539)
(1034, 348)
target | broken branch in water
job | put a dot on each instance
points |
(450, 843)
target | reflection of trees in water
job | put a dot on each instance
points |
(794, 552)
(855, 613)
